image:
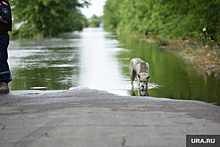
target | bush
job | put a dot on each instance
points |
(171, 18)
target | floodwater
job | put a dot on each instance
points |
(99, 59)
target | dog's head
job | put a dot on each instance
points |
(143, 78)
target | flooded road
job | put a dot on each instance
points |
(99, 59)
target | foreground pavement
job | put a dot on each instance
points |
(90, 118)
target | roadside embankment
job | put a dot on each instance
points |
(206, 55)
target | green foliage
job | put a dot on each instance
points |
(111, 13)
(162, 41)
(170, 18)
(94, 21)
(46, 18)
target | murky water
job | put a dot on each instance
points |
(99, 59)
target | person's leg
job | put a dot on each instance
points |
(5, 76)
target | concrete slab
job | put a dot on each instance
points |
(84, 117)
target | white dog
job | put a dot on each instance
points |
(141, 69)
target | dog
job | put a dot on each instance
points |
(141, 69)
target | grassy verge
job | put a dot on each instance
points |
(205, 54)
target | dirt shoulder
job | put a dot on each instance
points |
(205, 55)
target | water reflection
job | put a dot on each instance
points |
(87, 59)
(141, 92)
(99, 67)
(172, 76)
(98, 59)
(48, 63)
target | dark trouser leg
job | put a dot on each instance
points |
(5, 75)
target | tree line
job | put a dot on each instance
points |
(94, 21)
(46, 18)
(199, 19)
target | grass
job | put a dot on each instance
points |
(203, 53)
(200, 53)
(162, 41)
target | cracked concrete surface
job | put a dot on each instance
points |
(85, 117)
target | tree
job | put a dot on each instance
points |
(47, 17)
(94, 21)
(171, 18)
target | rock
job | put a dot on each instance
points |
(209, 55)
(210, 69)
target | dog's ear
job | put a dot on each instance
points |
(139, 76)
(148, 77)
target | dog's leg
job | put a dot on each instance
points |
(131, 74)
(138, 83)
(132, 92)
(139, 92)
(147, 94)
(132, 77)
